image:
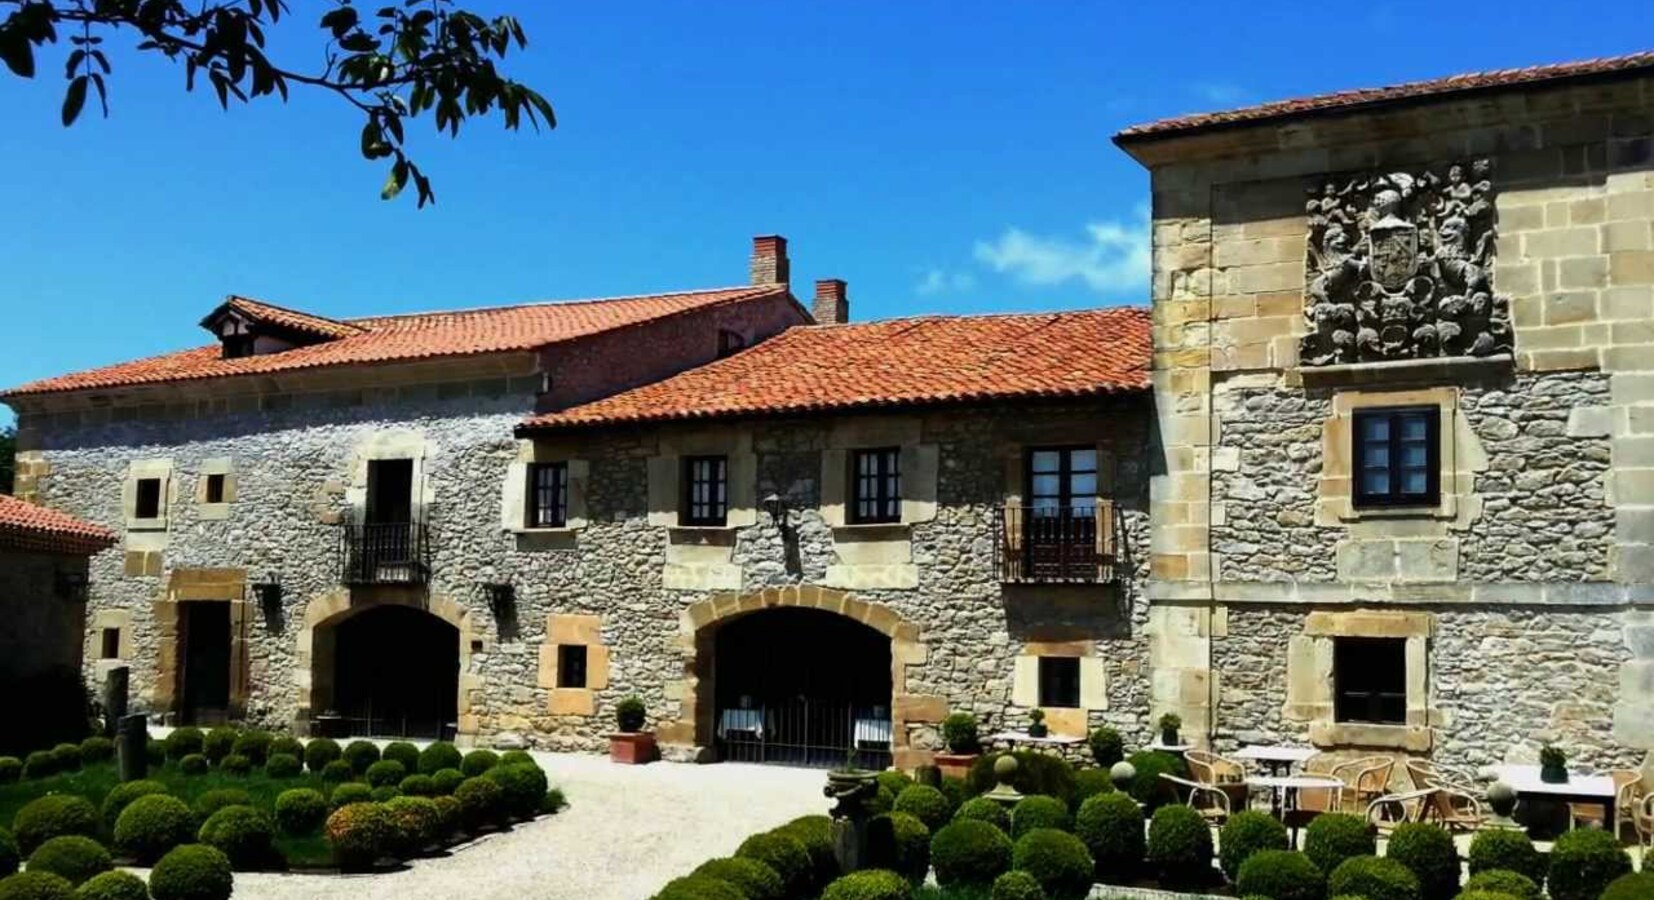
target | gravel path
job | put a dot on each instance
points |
(627, 831)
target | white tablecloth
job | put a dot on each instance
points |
(1274, 753)
(741, 720)
(872, 731)
(1525, 779)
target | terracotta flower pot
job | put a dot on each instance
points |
(633, 748)
(956, 765)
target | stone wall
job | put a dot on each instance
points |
(42, 630)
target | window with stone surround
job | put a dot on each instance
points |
(147, 504)
(1370, 680)
(1059, 681)
(548, 495)
(110, 643)
(705, 491)
(1397, 456)
(571, 665)
(215, 488)
(1361, 678)
(876, 478)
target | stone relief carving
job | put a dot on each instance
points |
(1400, 266)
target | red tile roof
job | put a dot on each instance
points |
(25, 526)
(926, 360)
(1344, 101)
(289, 319)
(406, 337)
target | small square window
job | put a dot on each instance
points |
(548, 495)
(1397, 456)
(1369, 677)
(876, 477)
(730, 342)
(111, 643)
(705, 491)
(148, 501)
(571, 665)
(215, 488)
(1059, 682)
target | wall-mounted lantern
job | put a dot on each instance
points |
(502, 602)
(268, 593)
(776, 507)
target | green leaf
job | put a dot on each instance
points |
(74, 100)
(340, 20)
(397, 180)
(18, 55)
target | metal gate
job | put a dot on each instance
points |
(805, 732)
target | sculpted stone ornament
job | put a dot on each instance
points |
(1400, 267)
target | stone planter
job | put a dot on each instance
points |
(956, 765)
(633, 748)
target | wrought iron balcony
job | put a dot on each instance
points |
(384, 553)
(1045, 544)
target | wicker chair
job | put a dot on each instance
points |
(1211, 801)
(1642, 816)
(1453, 803)
(1365, 779)
(1629, 791)
(1219, 772)
(1386, 812)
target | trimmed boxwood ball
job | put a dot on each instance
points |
(218, 743)
(152, 825)
(449, 815)
(36, 886)
(72, 856)
(1428, 851)
(403, 752)
(969, 851)
(300, 811)
(283, 765)
(348, 793)
(1634, 886)
(11, 769)
(901, 843)
(236, 764)
(894, 781)
(242, 833)
(1514, 884)
(517, 758)
(39, 764)
(1039, 812)
(984, 810)
(699, 887)
(438, 756)
(882, 801)
(1180, 846)
(53, 815)
(417, 785)
(124, 793)
(1247, 832)
(1278, 874)
(1017, 885)
(9, 857)
(415, 825)
(1107, 747)
(337, 772)
(478, 761)
(288, 744)
(384, 792)
(66, 757)
(1111, 827)
(360, 755)
(925, 803)
(481, 802)
(253, 744)
(193, 764)
(192, 872)
(869, 884)
(1148, 788)
(754, 879)
(96, 749)
(1089, 783)
(1037, 773)
(386, 773)
(155, 754)
(113, 885)
(216, 799)
(447, 779)
(319, 752)
(359, 834)
(1332, 838)
(181, 742)
(785, 854)
(1583, 863)
(1508, 849)
(1373, 878)
(1057, 860)
(816, 834)
(523, 788)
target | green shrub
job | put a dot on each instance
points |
(11, 769)
(1514, 884)
(1148, 788)
(319, 752)
(288, 744)
(300, 811)
(360, 755)
(438, 756)
(784, 854)
(478, 761)
(39, 764)
(1107, 747)
(416, 824)
(155, 754)
(384, 792)
(553, 802)
(901, 843)
(348, 793)
(283, 765)
(869, 884)
(517, 758)
(36, 886)
(386, 772)
(984, 810)
(1089, 783)
(481, 802)
(403, 752)
(181, 742)
(1373, 878)
(448, 814)
(235, 764)
(1482, 895)
(895, 782)
(216, 799)
(113, 885)
(1279, 874)
(54, 815)
(359, 834)
(417, 785)
(1247, 832)
(1017, 885)
(192, 872)
(1332, 838)
(969, 851)
(1639, 886)
(336, 772)
(1057, 860)
(242, 833)
(882, 801)
(1111, 827)
(9, 857)
(630, 715)
(122, 794)
(1427, 850)
(72, 856)
(66, 757)
(97, 749)
(1037, 773)
(699, 887)
(959, 733)
(152, 825)
(925, 803)
(816, 834)
(218, 743)
(1508, 849)
(447, 779)
(1583, 862)
(955, 789)
(193, 764)
(253, 744)
(755, 880)
(1180, 846)
(1036, 811)
(523, 788)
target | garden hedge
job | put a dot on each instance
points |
(417, 785)
(522, 788)
(1037, 773)
(438, 756)
(319, 752)
(1427, 850)
(288, 744)
(1332, 838)
(1373, 878)
(1089, 783)
(895, 782)
(448, 814)
(216, 799)
(300, 811)
(360, 755)
(39, 764)
(1279, 874)
(124, 793)
(1180, 847)
(1246, 833)
(869, 884)
(66, 757)
(785, 854)
(816, 834)
(243, 834)
(901, 843)
(1039, 812)
(72, 856)
(1107, 747)
(517, 758)
(1148, 788)
(9, 857)
(384, 792)
(416, 824)
(1507, 849)
(359, 834)
(253, 744)
(385, 773)
(193, 764)
(699, 887)
(970, 852)
(11, 769)
(1504, 881)
(348, 793)
(481, 802)
(478, 761)
(218, 743)
(97, 749)
(984, 810)
(755, 880)
(113, 885)
(36, 886)
(1111, 827)
(925, 803)
(337, 772)
(191, 872)
(283, 765)
(1631, 886)
(447, 779)
(1583, 863)
(403, 752)
(1057, 860)
(181, 742)
(152, 825)
(53, 815)
(1017, 885)
(236, 764)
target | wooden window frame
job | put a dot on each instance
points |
(547, 505)
(573, 659)
(1365, 700)
(154, 502)
(876, 496)
(1395, 497)
(713, 510)
(1059, 682)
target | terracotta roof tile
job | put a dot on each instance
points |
(926, 360)
(290, 319)
(406, 337)
(1413, 90)
(25, 526)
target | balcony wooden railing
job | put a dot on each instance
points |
(1073, 544)
(384, 553)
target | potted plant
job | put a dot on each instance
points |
(959, 735)
(631, 745)
(1038, 729)
(1169, 724)
(1553, 765)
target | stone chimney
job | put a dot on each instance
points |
(769, 260)
(832, 303)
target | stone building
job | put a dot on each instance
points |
(1404, 378)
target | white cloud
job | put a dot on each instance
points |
(937, 281)
(1114, 256)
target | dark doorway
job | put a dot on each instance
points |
(390, 491)
(802, 687)
(204, 632)
(396, 672)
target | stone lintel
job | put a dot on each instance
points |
(919, 708)
(1432, 371)
(1412, 738)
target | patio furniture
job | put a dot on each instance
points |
(749, 721)
(1582, 789)
(1277, 758)
(1057, 742)
(1210, 769)
(1365, 780)
(1643, 818)
(1286, 794)
(1454, 804)
(1629, 791)
(1386, 812)
(1210, 801)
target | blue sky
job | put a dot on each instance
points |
(940, 156)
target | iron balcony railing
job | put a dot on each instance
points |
(1057, 544)
(384, 553)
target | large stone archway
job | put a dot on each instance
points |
(691, 734)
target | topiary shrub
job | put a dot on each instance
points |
(1111, 827)
(882, 801)
(1017, 885)
(925, 803)
(959, 733)
(300, 811)
(477, 762)
(288, 744)
(242, 833)
(1057, 860)
(1148, 788)
(192, 872)
(235, 764)
(699, 887)
(784, 854)
(1332, 838)
(1089, 783)
(253, 744)
(283, 765)
(39, 764)
(216, 799)
(417, 785)
(348, 793)
(969, 852)
(1037, 773)
(155, 754)
(360, 755)
(403, 752)
(869, 884)
(481, 802)
(554, 802)
(384, 792)
(517, 758)
(218, 743)
(1583, 863)
(755, 880)
(181, 742)
(1508, 849)
(416, 824)
(358, 835)
(1039, 812)
(97, 749)
(54, 815)
(386, 773)
(438, 756)
(11, 769)
(152, 825)
(448, 815)
(1638, 886)
(1373, 878)
(9, 857)
(1107, 748)
(523, 788)
(66, 757)
(1247, 832)
(72, 856)
(113, 885)
(895, 782)
(36, 886)
(319, 752)
(816, 834)
(193, 764)
(1427, 850)
(984, 810)
(1513, 884)
(901, 843)
(337, 772)
(447, 779)
(1278, 874)
(124, 793)
(1180, 846)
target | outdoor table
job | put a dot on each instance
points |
(1594, 789)
(1284, 791)
(1178, 749)
(1056, 741)
(872, 731)
(1277, 758)
(748, 720)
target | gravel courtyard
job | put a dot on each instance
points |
(627, 830)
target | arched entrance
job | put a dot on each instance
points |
(384, 664)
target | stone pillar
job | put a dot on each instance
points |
(115, 687)
(132, 747)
